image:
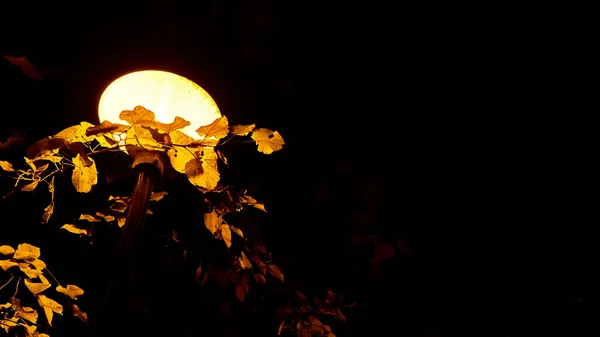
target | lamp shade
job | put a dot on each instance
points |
(166, 94)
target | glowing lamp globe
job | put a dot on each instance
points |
(166, 94)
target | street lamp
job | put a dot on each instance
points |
(168, 95)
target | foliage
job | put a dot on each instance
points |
(24, 266)
(75, 151)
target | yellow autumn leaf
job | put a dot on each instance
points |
(268, 141)
(106, 128)
(38, 264)
(71, 290)
(36, 288)
(74, 229)
(6, 166)
(138, 135)
(75, 133)
(237, 231)
(6, 250)
(5, 264)
(88, 217)
(26, 251)
(31, 186)
(28, 314)
(212, 221)
(244, 262)
(204, 172)
(178, 123)
(179, 156)
(180, 138)
(211, 133)
(242, 130)
(226, 235)
(250, 201)
(49, 306)
(85, 174)
(30, 272)
(139, 115)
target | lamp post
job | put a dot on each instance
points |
(169, 96)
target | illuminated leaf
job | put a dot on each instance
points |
(107, 218)
(6, 166)
(140, 136)
(38, 264)
(31, 186)
(5, 264)
(250, 201)
(85, 174)
(237, 231)
(6, 250)
(30, 272)
(44, 279)
(226, 235)
(198, 273)
(242, 130)
(244, 262)
(106, 127)
(180, 138)
(214, 131)
(268, 141)
(73, 229)
(204, 172)
(119, 206)
(139, 115)
(88, 217)
(75, 133)
(36, 288)
(212, 221)
(156, 196)
(179, 156)
(26, 251)
(28, 314)
(178, 123)
(78, 313)
(49, 306)
(121, 220)
(275, 271)
(71, 290)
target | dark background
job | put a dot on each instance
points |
(371, 104)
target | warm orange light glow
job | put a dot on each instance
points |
(166, 94)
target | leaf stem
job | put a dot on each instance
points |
(5, 284)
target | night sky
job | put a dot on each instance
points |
(373, 153)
